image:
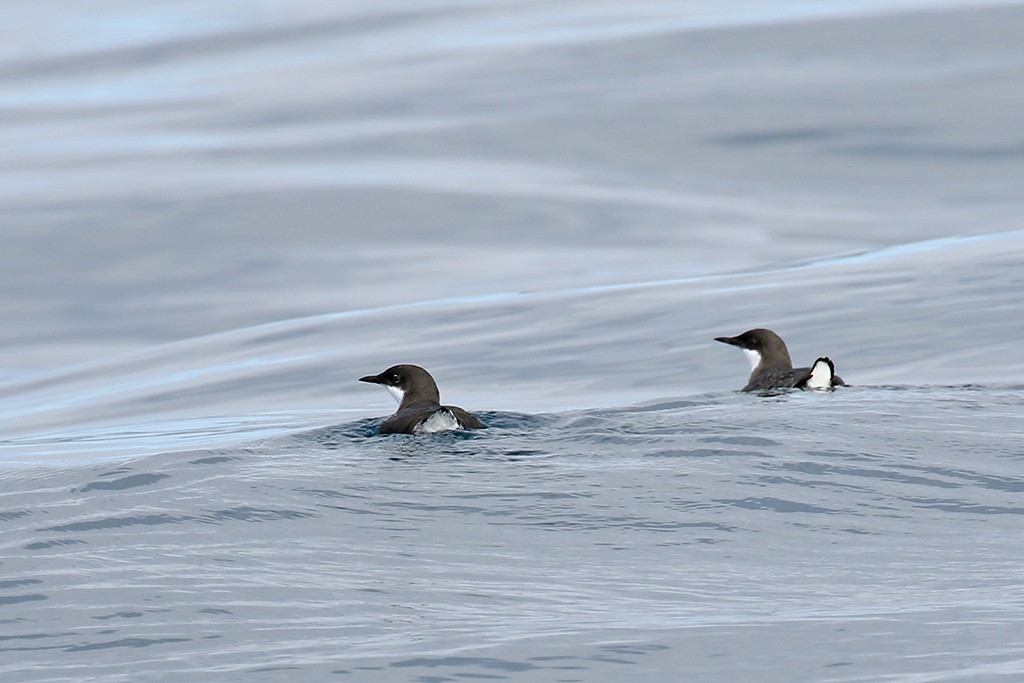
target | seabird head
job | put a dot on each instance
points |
(762, 348)
(409, 384)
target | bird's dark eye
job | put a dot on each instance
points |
(396, 379)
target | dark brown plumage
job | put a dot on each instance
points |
(419, 403)
(771, 367)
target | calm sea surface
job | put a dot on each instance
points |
(216, 217)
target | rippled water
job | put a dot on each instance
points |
(216, 220)
(868, 533)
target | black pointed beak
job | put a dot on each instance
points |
(372, 379)
(728, 340)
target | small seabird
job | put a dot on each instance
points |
(419, 403)
(771, 367)
(823, 375)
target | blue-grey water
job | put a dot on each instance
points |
(217, 216)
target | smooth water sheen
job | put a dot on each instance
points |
(217, 217)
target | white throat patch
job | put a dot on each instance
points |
(441, 421)
(821, 376)
(753, 357)
(395, 392)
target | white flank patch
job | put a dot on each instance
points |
(440, 421)
(395, 392)
(821, 376)
(754, 357)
